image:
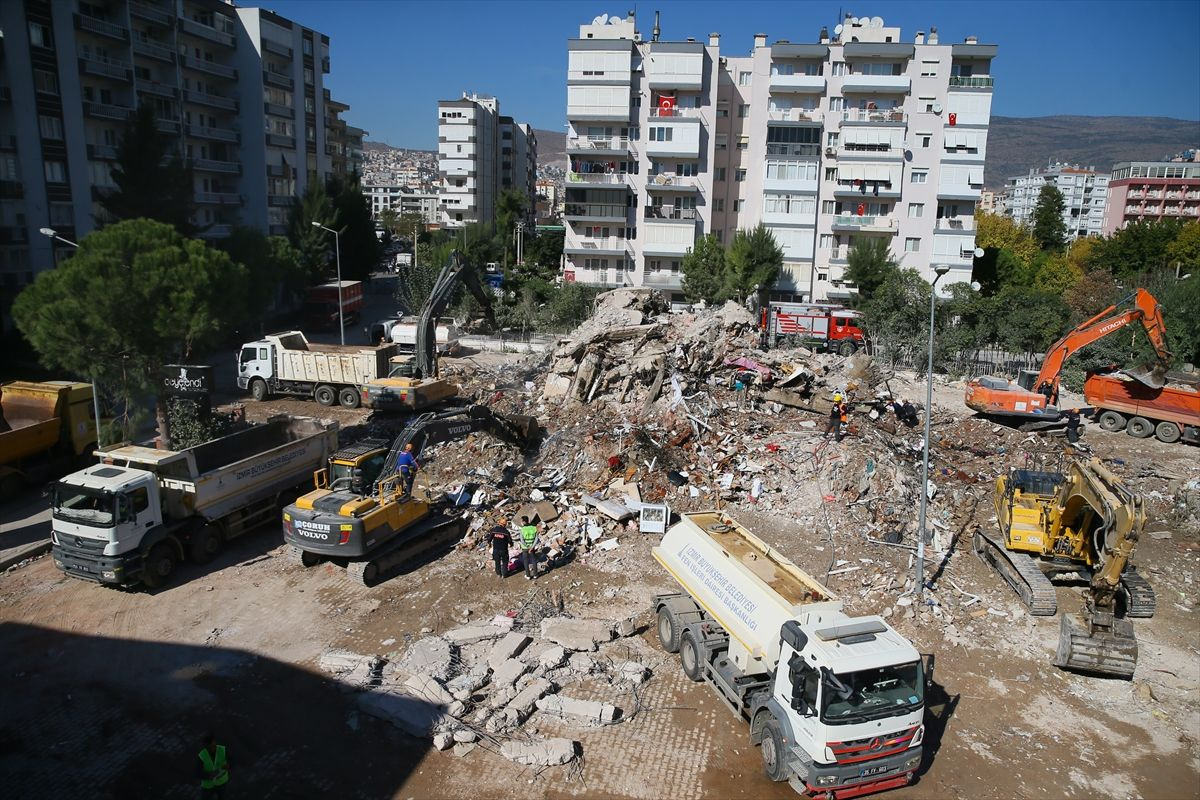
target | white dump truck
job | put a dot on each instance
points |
(287, 363)
(836, 702)
(133, 517)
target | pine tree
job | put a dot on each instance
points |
(1049, 230)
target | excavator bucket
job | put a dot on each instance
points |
(1153, 376)
(1082, 648)
(526, 426)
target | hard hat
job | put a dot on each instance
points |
(837, 397)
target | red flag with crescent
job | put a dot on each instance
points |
(666, 105)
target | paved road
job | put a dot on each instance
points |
(24, 527)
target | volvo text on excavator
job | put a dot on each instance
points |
(361, 514)
(1035, 394)
(1082, 522)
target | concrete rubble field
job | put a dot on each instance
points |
(559, 687)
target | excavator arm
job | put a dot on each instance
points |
(1145, 310)
(456, 270)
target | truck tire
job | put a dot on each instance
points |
(349, 397)
(689, 657)
(325, 395)
(774, 753)
(846, 348)
(1167, 432)
(205, 544)
(1139, 427)
(668, 630)
(158, 565)
(258, 389)
(1112, 422)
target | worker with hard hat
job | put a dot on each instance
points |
(407, 464)
(837, 417)
(501, 542)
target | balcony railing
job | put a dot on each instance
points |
(606, 244)
(209, 66)
(955, 224)
(86, 23)
(218, 198)
(794, 115)
(148, 12)
(211, 165)
(673, 113)
(166, 125)
(280, 200)
(669, 180)
(205, 32)
(219, 134)
(793, 150)
(839, 253)
(606, 210)
(280, 110)
(874, 115)
(148, 48)
(277, 48)
(154, 87)
(971, 82)
(216, 231)
(665, 280)
(595, 177)
(864, 223)
(666, 212)
(278, 79)
(281, 140)
(615, 144)
(216, 101)
(96, 64)
(860, 149)
(106, 110)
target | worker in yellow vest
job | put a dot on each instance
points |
(213, 769)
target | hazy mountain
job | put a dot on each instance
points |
(552, 148)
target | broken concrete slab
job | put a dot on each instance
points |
(609, 508)
(527, 698)
(472, 634)
(543, 753)
(465, 735)
(582, 663)
(412, 715)
(508, 647)
(431, 656)
(626, 627)
(552, 657)
(631, 672)
(576, 634)
(466, 683)
(508, 672)
(463, 748)
(427, 688)
(442, 741)
(588, 711)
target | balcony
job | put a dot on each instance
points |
(969, 191)
(663, 280)
(605, 113)
(205, 32)
(595, 211)
(874, 152)
(211, 67)
(8, 141)
(280, 111)
(600, 245)
(839, 254)
(218, 198)
(280, 200)
(279, 171)
(675, 113)
(809, 152)
(667, 248)
(280, 140)
(881, 84)
(95, 64)
(102, 152)
(885, 116)
(106, 110)
(599, 178)
(867, 189)
(277, 48)
(669, 182)
(798, 84)
(670, 213)
(146, 47)
(158, 89)
(955, 225)
(166, 125)
(213, 100)
(864, 224)
(278, 79)
(971, 82)
(211, 165)
(216, 232)
(148, 12)
(794, 115)
(109, 29)
(10, 189)
(599, 145)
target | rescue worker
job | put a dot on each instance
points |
(834, 425)
(529, 533)
(843, 421)
(212, 768)
(407, 464)
(501, 541)
(1073, 425)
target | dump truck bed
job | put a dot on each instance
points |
(33, 417)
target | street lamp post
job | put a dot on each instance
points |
(50, 233)
(337, 249)
(940, 270)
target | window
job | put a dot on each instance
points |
(831, 173)
(45, 82)
(916, 210)
(719, 204)
(685, 170)
(832, 139)
(783, 69)
(926, 138)
(306, 46)
(927, 103)
(39, 35)
(839, 68)
(62, 215)
(738, 205)
(792, 170)
(308, 76)
(744, 78)
(722, 141)
(722, 113)
(720, 232)
(826, 242)
(719, 174)
(828, 207)
(743, 143)
(56, 171)
(309, 105)
(661, 134)
(51, 127)
(789, 204)
(919, 176)
(912, 245)
(739, 176)
(929, 69)
(837, 103)
(743, 110)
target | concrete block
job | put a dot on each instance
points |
(412, 715)
(501, 697)
(456, 708)
(464, 735)
(539, 753)
(473, 633)
(582, 663)
(429, 689)
(556, 386)
(552, 657)
(508, 647)
(466, 684)
(442, 741)
(508, 672)
(587, 711)
(463, 748)
(527, 698)
(576, 634)
(631, 672)
(430, 656)
(626, 627)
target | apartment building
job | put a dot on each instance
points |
(1154, 190)
(239, 90)
(1084, 191)
(518, 162)
(856, 135)
(402, 200)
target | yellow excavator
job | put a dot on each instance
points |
(363, 514)
(1085, 522)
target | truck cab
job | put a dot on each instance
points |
(255, 360)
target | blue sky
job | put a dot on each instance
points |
(393, 60)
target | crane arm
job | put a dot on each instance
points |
(456, 270)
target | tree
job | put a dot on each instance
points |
(414, 283)
(1138, 247)
(273, 267)
(1185, 250)
(897, 315)
(314, 245)
(1029, 320)
(135, 296)
(1049, 230)
(1055, 273)
(703, 270)
(752, 264)
(152, 180)
(360, 247)
(996, 232)
(869, 263)
(510, 207)
(568, 306)
(1095, 291)
(543, 252)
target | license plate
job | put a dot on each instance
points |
(873, 770)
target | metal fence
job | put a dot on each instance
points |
(990, 360)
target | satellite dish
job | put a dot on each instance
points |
(837, 30)
(876, 22)
(853, 21)
(937, 108)
(979, 252)
(602, 19)
(597, 20)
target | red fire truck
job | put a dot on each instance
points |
(823, 325)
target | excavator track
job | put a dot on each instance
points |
(304, 558)
(1139, 595)
(429, 535)
(1107, 652)
(1021, 572)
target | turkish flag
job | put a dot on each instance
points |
(953, 119)
(666, 105)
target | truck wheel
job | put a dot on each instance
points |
(1139, 427)
(774, 754)
(689, 657)
(1167, 432)
(846, 349)
(204, 545)
(158, 565)
(325, 395)
(1112, 422)
(349, 397)
(258, 389)
(668, 630)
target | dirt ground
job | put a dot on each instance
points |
(107, 692)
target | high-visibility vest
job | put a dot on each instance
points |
(528, 536)
(216, 765)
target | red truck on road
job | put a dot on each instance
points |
(829, 326)
(1124, 404)
(321, 304)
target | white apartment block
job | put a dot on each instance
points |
(402, 200)
(240, 90)
(1084, 191)
(518, 162)
(857, 135)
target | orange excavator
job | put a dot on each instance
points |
(1034, 395)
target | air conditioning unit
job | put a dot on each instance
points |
(829, 151)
